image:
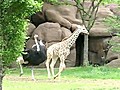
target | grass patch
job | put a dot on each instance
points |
(93, 73)
(78, 78)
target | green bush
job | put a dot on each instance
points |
(14, 26)
(114, 24)
(110, 1)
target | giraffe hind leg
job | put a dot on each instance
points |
(61, 67)
(54, 59)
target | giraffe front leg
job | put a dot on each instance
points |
(61, 67)
(54, 59)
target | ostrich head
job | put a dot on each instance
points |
(35, 36)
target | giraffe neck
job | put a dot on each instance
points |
(71, 40)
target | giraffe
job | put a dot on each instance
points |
(61, 50)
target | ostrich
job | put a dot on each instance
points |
(61, 50)
(33, 56)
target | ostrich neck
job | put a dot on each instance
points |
(36, 42)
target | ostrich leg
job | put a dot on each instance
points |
(32, 71)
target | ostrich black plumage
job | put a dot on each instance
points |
(33, 56)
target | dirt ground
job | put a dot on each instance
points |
(102, 82)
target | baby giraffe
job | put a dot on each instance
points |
(61, 50)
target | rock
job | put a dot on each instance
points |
(114, 63)
(51, 43)
(55, 22)
(53, 33)
(115, 8)
(96, 51)
(99, 29)
(62, 14)
(49, 32)
(112, 55)
(95, 59)
(30, 43)
(38, 18)
(31, 28)
(111, 58)
(96, 44)
(116, 11)
(55, 17)
(65, 32)
(112, 6)
(104, 12)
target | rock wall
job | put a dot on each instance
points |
(56, 22)
(52, 33)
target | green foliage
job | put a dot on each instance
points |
(14, 26)
(92, 73)
(114, 25)
(88, 72)
(51, 1)
(110, 1)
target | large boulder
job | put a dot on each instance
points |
(112, 54)
(31, 28)
(65, 15)
(50, 32)
(114, 63)
(98, 42)
(103, 12)
(112, 6)
(38, 18)
(55, 22)
(100, 29)
(65, 32)
(29, 43)
(53, 33)
(97, 48)
(115, 8)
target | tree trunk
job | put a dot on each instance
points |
(1, 60)
(85, 61)
(1, 64)
(1, 73)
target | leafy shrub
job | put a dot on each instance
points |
(114, 24)
(110, 1)
(14, 26)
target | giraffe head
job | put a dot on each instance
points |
(83, 29)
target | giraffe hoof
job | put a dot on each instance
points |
(55, 76)
(21, 74)
(33, 79)
(49, 78)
